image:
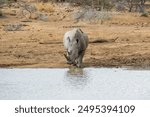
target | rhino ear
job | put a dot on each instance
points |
(68, 39)
(77, 40)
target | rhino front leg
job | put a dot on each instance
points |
(79, 59)
(68, 59)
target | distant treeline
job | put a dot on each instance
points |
(120, 5)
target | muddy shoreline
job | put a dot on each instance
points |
(116, 43)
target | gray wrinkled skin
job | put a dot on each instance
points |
(75, 43)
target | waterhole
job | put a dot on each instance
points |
(75, 84)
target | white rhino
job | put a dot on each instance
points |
(75, 43)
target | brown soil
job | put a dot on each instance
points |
(122, 41)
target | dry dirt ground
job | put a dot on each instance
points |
(122, 41)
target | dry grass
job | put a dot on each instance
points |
(45, 7)
(128, 19)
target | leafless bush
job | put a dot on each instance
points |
(120, 6)
(13, 27)
(27, 9)
(43, 17)
(92, 15)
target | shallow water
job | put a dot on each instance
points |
(87, 83)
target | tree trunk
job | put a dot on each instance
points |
(142, 6)
(130, 4)
(102, 5)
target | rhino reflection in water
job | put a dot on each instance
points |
(76, 72)
(77, 78)
(75, 43)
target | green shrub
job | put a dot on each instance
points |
(3, 1)
(144, 14)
